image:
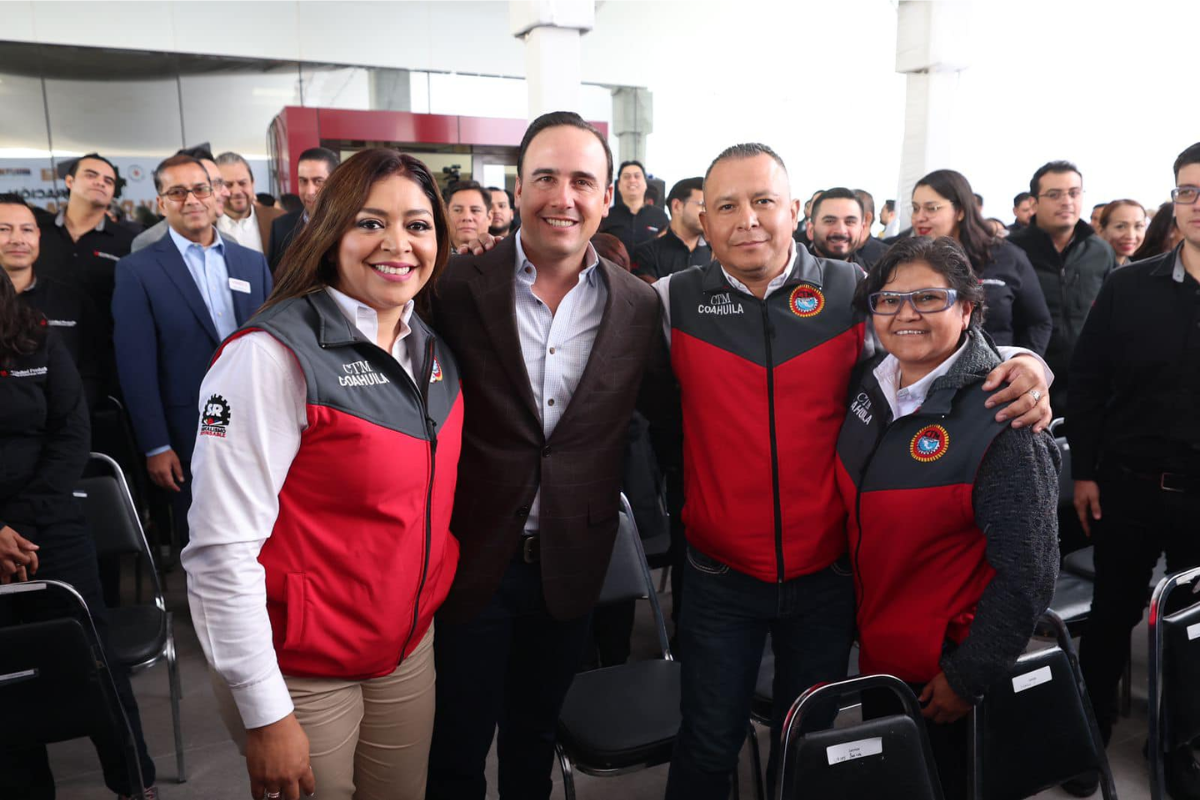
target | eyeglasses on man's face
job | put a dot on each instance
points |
(1054, 195)
(1185, 195)
(178, 194)
(923, 301)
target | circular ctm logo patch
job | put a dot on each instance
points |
(930, 443)
(806, 301)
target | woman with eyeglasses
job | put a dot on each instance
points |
(1123, 225)
(952, 531)
(943, 204)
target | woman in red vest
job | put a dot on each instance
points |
(324, 475)
(952, 528)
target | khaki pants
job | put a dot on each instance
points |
(368, 740)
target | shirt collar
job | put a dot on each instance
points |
(1179, 271)
(61, 219)
(365, 318)
(183, 245)
(591, 261)
(887, 374)
(776, 282)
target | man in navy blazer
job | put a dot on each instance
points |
(174, 303)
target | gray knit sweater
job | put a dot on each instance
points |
(1015, 500)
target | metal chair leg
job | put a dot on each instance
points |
(666, 576)
(568, 774)
(176, 696)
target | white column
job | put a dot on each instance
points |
(932, 47)
(551, 30)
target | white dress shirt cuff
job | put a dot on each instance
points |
(264, 702)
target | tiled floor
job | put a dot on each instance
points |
(216, 771)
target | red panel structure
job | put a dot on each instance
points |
(387, 126)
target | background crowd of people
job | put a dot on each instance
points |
(380, 459)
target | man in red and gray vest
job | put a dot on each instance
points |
(763, 343)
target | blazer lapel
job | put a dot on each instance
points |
(618, 314)
(173, 265)
(495, 297)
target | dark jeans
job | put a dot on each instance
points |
(67, 555)
(723, 631)
(511, 667)
(1139, 521)
(950, 744)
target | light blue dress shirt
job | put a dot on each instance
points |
(556, 346)
(207, 267)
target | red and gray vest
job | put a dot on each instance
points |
(361, 554)
(917, 553)
(763, 385)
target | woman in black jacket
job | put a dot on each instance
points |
(943, 204)
(44, 436)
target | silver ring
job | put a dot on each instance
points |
(1035, 394)
(272, 795)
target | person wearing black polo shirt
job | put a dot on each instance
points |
(1134, 432)
(683, 244)
(631, 219)
(81, 246)
(65, 308)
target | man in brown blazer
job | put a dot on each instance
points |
(552, 342)
(246, 221)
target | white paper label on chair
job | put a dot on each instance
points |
(1031, 679)
(852, 750)
(1194, 631)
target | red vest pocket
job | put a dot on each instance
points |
(295, 583)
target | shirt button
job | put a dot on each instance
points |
(551, 351)
(546, 451)
(550, 402)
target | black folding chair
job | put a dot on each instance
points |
(1044, 692)
(1174, 667)
(884, 757)
(139, 636)
(623, 718)
(54, 680)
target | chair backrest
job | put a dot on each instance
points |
(1174, 665)
(112, 516)
(628, 576)
(884, 757)
(54, 682)
(1066, 484)
(1041, 694)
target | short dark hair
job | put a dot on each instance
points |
(320, 154)
(291, 202)
(555, 119)
(175, 161)
(978, 199)
(890, 205)
(469, 186)
(1048, 167)
(200, 153)
(13, 199)
(1189, 156)
(265, 199)
(744, 150)
(74, 168)
(511, 202)
(682, 190)
(837, 193)
(943, 255)
(1098, 205)
(868, 202)
(1021, 197)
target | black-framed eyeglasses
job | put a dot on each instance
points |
(179, 194)
(923, 301)
(1055, 195)
(1185, 195)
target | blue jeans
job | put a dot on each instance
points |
(722, 634)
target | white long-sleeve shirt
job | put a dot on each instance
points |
(235, 502)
